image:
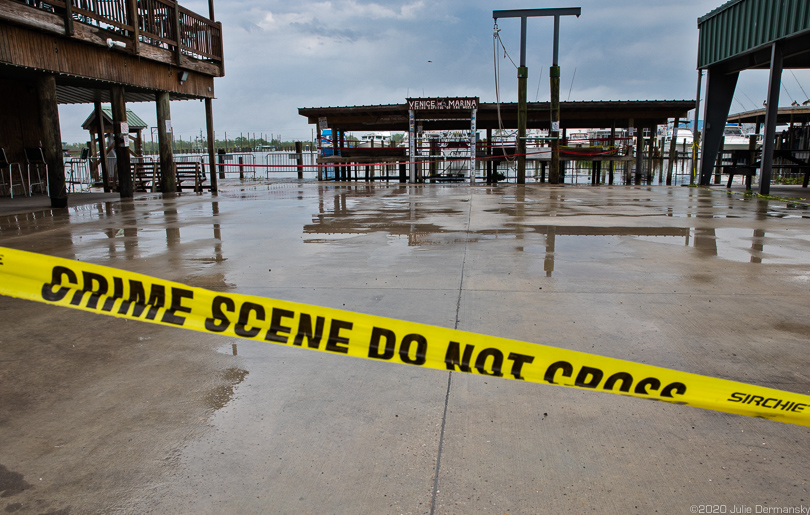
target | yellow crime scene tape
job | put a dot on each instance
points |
(109, 291)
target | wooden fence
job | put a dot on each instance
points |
(155, 22)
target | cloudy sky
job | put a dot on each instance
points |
(281, 55)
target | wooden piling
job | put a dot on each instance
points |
(719, 163)
(119, 112)
(612, 145)
(651, 154)
(209, 125)
(168, 182)
(673, 150)
(639, 154)
(299, 158)
(52, 140)
(102, 147)
(752, 157)
(555, 176)
(522, 114)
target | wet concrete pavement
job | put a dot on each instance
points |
(100, 415)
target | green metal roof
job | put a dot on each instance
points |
(133, 120)
(741, 26)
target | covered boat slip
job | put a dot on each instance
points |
(462, 119)
(791, 153)
(743, 35)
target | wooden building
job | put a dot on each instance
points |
(116, 51)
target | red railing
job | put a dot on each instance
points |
(157, 23)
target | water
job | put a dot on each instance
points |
(283, 165)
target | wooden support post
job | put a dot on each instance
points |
(554, 170)
(209, 125)
(52, 140)
(639, 154)
(718, 171)
(489, 155)
(673, 150)
(121, 135)
(752, 158)
(133, 20)
(650, 154)
(299, 158)
(523, 73)
(69, 17)
(139, 143)
(168, 177)
(94, 173)
(102, 147)
(612, 145)
(178, 31)
(433, 151)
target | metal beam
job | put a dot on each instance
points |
(554, 85)
(521, 13)
(772, 108)
(719, 93)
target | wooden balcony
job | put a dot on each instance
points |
(159, 30)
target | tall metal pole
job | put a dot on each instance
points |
(523, 73)
(554, 86)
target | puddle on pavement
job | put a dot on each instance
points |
(218, 397)
(12, 483)
(424, 217)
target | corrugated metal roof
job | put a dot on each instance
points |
(133, 120)
(742, 26)
(582, 114)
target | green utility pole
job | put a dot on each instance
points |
(523, 73)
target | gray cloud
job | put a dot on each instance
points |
(284, 55)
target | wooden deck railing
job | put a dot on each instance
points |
(158, 22)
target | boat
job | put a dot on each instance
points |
(578, 138)
(375, 139)
(683, 137)
(734, 138)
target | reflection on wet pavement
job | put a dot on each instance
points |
(424, 218)
(634, 272)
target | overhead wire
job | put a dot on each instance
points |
(496, 39)
(800, 84)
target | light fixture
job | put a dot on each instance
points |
(183, 76)
(111, 43)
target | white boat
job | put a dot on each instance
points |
(734, 138)
(375, 139)
(683, 137)
(578, 138)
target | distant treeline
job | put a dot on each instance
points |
(181, 146)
